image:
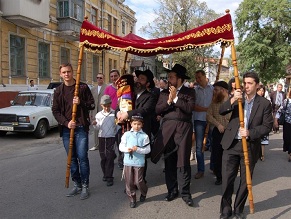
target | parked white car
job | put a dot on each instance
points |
(30, 111)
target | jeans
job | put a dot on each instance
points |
(80, 168)
(199, 127)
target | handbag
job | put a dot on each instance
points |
(281, 119)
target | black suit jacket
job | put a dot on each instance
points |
(260, 124)
(145, 105)
(177, 123)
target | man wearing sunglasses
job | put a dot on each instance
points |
(97, 92)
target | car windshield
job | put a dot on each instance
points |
(32, 99)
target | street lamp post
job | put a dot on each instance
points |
(172, 32)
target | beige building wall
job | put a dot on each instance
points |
(50, 34)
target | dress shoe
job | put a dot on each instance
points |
(199, 175)
(239, 216)
(109, 183)
(218, 182)
(132, 204)
(142, 198)
(104, 179)
(225, 216)
(188, 201)
(171, 196)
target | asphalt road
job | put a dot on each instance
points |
(33, 178)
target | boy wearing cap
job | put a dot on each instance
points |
(135, 144)
(105, 123)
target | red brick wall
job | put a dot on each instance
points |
(5, 97)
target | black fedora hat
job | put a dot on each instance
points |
(148, 74)
(179, 70)
(222, 84)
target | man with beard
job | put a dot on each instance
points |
(145, 102)
(220, 95)
(175, 136)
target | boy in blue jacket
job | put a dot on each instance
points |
(135, 144)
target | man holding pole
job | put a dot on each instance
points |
(258, 122)
(63, 106)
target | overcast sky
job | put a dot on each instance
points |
(145, 14)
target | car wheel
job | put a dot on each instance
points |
(2, 133)
(41, 129)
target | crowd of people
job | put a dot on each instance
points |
(173, 119)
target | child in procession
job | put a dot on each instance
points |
(105, 122)
(135, 144)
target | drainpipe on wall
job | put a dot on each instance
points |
(1, 76)
(103, 52)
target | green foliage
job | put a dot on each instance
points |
(264, 29)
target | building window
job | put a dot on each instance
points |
(123, 27)
(115, 64)
(84, 68)
(94, 16)
(71, 8)
(131, 29)
(43, 60)
(17, 55)
(78, 12)
(65, 55)
(115, 26)
(109, 23)
(95, 67)
(63, 8)
(110, 64)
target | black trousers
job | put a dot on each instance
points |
(107, 155)
(232, 159)
(216, 152)
(177, 176)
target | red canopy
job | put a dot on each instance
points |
(220, 30)
(132, 36)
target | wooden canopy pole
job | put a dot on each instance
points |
(217, 78)
(220, 61)
(244, 140)
(74, 113)
(124, 64)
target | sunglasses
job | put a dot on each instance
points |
(99, 78)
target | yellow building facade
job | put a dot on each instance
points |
(37, 36)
